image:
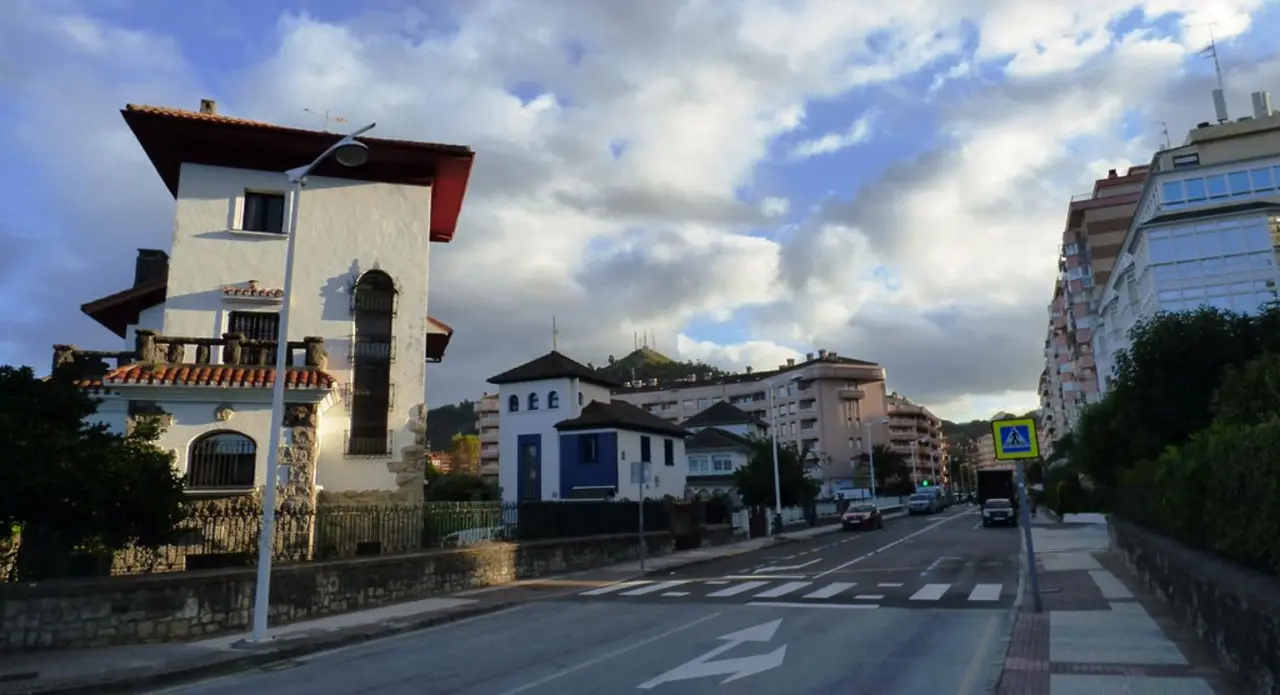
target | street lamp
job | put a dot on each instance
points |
(348, 152)
(871, 452)
(773, 431)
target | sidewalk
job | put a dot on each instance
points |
(1097, 634)
(129, 668)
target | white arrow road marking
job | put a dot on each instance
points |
(741, 667)
(789, 567)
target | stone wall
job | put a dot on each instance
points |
(1233, 610)
(184, 605)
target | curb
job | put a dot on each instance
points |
(248, 661)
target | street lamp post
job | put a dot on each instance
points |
(773, 431)
(348, 152)
(871, 453)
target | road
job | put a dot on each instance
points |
(921, 606)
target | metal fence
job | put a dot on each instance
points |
(223, 537)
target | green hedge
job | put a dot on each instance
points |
(1220, 492)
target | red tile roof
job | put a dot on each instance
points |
(208, 375)
(252, 290)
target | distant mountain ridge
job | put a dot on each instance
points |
(974, 429)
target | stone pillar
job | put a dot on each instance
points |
(316, 355)
(202, 354)
(177, 353)
(63, 355)
(231, 348)
(410, 469)
(298, 494)
(146, 347)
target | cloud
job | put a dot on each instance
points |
(858, 132)
(624, 178)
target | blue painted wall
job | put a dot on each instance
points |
(575, 473)
(529, 484)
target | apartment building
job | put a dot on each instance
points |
(1205, 232)
(826, 404)
(487, 413)
(985, 450)
(916, 433)
(1091, 241)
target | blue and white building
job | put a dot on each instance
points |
(563, 437)
(1205, 232)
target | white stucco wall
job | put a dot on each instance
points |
(192, 414)
(665, 480)
(541, 421)
(151, 319)
(345, 228)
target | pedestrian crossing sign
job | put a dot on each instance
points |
(1015, 439)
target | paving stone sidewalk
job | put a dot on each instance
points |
(1097, 634)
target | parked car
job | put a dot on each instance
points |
(999, 512)
(862, 515)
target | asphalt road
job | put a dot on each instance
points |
(866, 638)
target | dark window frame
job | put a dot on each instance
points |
(646, 449)
(589, 448)
(533, 401)
(553, 400)
(371, 387)
(513, 403)
(202, 471)
(668, 452)
(263, 212)
(255, 325)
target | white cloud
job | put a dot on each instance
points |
(858, 132)
(659, 235)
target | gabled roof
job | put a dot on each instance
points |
(172, 137)
(722, 413)
(620, 415)
(713, 438)
(552, 365)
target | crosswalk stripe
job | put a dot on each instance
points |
(783, 590)
(986, 592)
(830, 590)
(930, 592)
(653, 588)
(611, 588)
(735, 590)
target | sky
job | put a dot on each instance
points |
(748, 181)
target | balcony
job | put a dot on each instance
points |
(851, 394)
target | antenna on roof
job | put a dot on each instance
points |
(1219, 94)
(555, 335)
(1164, 131)
(328, 117)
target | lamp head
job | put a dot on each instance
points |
(351, 153)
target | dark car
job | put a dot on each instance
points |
(865, 516)
(999, 513)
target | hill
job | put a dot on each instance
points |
(646, 363)
(956, 432)
(448, 420)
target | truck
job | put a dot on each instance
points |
(995, 483)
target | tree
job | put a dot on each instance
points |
(461, 487)
(891, 468)
(1249, 395)
(466, 454)
(755, 480)
(76, 489)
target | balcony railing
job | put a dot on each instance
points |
(367, 445)
(153, 348)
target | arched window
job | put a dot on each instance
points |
(533, 401)
(553, 399)
(371, 355)
(579, 398)
(513, 404)
(221, 460)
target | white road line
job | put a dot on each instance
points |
(653, 588)
(869, 597)
(986, 592)
(605, 657)
(782, 590)
(840, 606)
(979, 657)
(830, 590)
(789, 567)
(611, 588)
(675, 594)
(890, 584)
(930, 592)
(904, 539)
(772, 576)
(716, 581)
(737, 589)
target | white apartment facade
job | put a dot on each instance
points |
(819, 404)
(916, 433)
(1205, 232)
(201, 324)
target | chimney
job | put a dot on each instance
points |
(791, 361)
(822, 354)
(1111, 174)
(151, 265)
(808, 357)
(209, 106)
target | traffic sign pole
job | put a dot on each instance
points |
(1024, 511)
(1016, 440)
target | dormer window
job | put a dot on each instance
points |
(553, 400)
(533, 401)
(513, 404)
(263, 212)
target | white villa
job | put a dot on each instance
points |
(564, 438)
(200, 324)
